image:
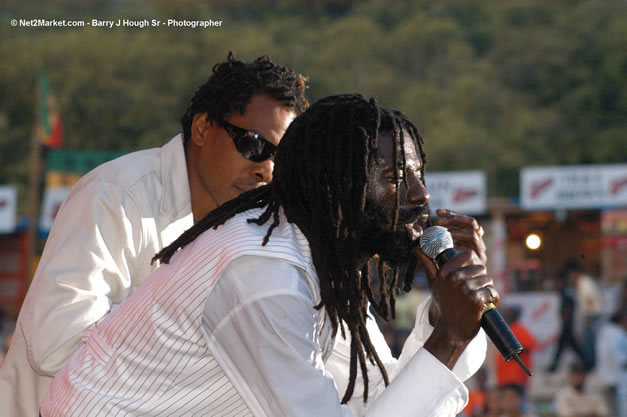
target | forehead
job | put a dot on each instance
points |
(384, 154)
(265, 115)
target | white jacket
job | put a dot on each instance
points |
(98, 252)
(229, 328)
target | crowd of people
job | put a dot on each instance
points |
(587, 358)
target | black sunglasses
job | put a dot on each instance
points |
(252, 145)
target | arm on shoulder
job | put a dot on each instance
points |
(85, 268)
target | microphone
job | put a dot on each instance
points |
(437, 243)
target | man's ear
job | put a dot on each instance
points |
(200, 129)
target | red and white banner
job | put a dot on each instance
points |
(574, 187)
(462, 191)
(8, 208)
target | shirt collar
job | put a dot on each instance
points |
(176, 199)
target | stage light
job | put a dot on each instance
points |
(533, 241)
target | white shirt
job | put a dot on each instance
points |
(589, 298)
(98, 252)
(610, 355)
(571, 403)
(229, 328)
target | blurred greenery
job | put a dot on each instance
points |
(492, 85)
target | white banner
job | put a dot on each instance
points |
(574, 187)
(8, 208)
(462, 191)
(53, 198)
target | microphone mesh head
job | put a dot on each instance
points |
(435, 240)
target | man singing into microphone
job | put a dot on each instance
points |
(264, 311)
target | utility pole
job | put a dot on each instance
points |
(34, 201)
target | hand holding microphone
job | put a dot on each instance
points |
(436, 242)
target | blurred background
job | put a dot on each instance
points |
(522, 105)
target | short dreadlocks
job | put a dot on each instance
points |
(321, 177)
(233, 83)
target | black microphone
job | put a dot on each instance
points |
(437, 243)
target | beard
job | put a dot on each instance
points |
(393, 246)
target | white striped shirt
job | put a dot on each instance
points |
(229, 328)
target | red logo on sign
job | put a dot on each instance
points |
(3, 203)
(462, 194)
(618, 185)
(540, 310)
(539, 187)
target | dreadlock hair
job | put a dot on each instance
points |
(321, 177)
(233, 83)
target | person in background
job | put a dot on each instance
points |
(512, 399)
(612, 359)
(509, 372)
(120, 214)
(492, 406)
(590, 309)
(568, 304)
(574, 401)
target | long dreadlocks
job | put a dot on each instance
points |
(321, 178)
(233, 83)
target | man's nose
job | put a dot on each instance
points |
(417, 193)
(262, 171)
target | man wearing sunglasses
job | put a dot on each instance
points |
(119, 215)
